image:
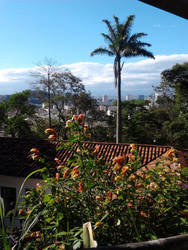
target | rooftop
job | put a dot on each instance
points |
(16, 160)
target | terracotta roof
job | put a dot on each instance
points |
(15, 157)
(107, 151)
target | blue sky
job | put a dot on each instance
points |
(68, 30)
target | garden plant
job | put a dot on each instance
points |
(122, 201)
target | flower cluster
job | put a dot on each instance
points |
(52, 132)
(122, 198)
(35, 153)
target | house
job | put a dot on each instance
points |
(16, 162)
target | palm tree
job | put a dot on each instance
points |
(121, 44)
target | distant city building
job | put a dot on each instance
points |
(129, 97)
(141, 97)
(105, 99)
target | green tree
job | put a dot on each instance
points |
(174, 86)
(173, 102)
(121, 44)
(138, 122)
(16, 115)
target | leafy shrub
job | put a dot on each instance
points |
(124, 201)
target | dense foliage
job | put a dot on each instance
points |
(124, 201)
(15, 114)
(164, 122)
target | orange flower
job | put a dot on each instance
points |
(75, 168)
(37, 234)
(117, 167)
(34, 151)
(153, 185)
(60, 167)
(80, 184)
(75, 172)
(85, 127)
(67, 123)
(35, 157)
(130, 205)
(81, 118)
(78, 150)
(50, 131)
(88, 135)
(131, 157)
(98, 197)
(175, 160)
(57, 160)
(171, 153)
(124, 170)
(57, 176)
(132, 177)
(109, 196)
(75, 117)
(21, 211)
(133, 148)
(118, 159)
(138, 185)
(66, 173)
(143, 214)
(52, 137)
(62, 246)
(99, 224)
(38, 186)
(118, 178)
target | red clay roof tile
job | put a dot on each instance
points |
(15, 160)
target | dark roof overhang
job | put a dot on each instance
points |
(177, 7)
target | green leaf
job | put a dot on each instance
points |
(48, 220)
(60, 216)
(76, 244)
(185, 171)
(47, 198)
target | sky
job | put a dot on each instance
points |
(69, 30)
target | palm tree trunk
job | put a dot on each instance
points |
(118, 118)
(49, 102)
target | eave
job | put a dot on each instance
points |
(177, 7)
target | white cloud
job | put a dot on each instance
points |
(137, 77)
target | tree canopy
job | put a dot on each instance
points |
(121, 44)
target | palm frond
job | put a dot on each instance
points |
(142, 44)
(126, 27)
(116, 19)
(135, 36)
(110, 28)
(131, 52)
(101, 51)
(145, 53)
(107, 38)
